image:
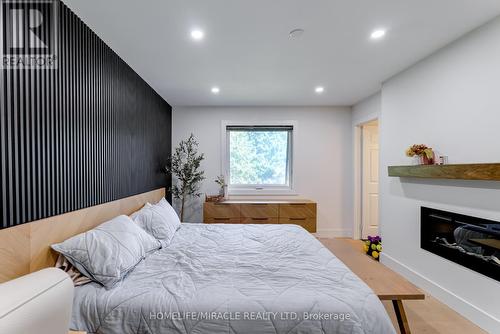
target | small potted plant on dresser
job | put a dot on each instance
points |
(221, 181)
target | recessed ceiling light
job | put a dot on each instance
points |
(197, 34)
(215, 90)
(319, 89)
(378, 34)
(296, 33)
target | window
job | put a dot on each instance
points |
(259, 158)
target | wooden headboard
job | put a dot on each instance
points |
(26, 248)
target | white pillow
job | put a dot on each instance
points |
(108, 252)
(135, 214)
(170, 211)
(160, 220)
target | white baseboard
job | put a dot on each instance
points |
(481, 318)
(333, 233)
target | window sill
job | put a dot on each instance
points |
(263, 192)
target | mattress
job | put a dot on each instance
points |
(226, 278)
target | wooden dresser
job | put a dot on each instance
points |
(299, 212)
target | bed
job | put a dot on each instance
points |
(226, 278)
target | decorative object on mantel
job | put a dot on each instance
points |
(424, 153)
(373, 247)
(484, 171)
(220, 180)
(442, 160)
(185, 166)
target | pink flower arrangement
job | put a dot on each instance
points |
(419, 150)
(423, 151)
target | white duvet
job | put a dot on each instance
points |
(234, 279)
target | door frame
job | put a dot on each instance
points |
(358, 176)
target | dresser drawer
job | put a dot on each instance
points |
(221, 210)
(222, 220)
(307, 223)
(263, 220)
(298, 210)
(259, 210)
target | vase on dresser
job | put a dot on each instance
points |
(223, 192)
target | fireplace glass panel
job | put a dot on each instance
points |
(470, 241)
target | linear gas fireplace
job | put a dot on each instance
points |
(470, 241)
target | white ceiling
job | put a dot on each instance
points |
(248, 54)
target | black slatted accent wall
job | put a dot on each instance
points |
(89, 132)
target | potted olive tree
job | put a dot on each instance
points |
(184, 166)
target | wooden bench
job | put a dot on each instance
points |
(386, 284)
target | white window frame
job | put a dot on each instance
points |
(254, 190)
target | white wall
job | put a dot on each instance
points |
(322, 161)
(367, 110)
(451, 102)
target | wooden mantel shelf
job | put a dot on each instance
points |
(486, 172)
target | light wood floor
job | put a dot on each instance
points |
(432, 316)
(424, 316)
